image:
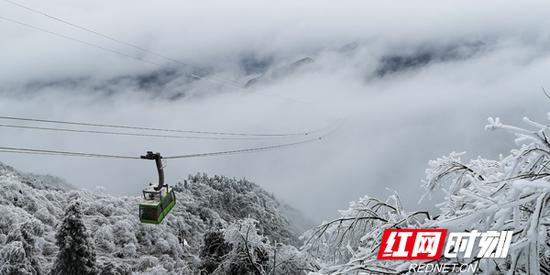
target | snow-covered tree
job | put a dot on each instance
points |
(243, 251)
(112, 268)
(350, 243)
(508, 194)
(18, 256)
(249, 253)
(14, 260)
(76, 251)
(213, 251)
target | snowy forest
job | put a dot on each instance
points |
(228, 226)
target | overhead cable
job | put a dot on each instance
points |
(119, 41)
(79, 41)
(54, 129)
(20, 150)
(133, 127)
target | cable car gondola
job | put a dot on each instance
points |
(157, 200)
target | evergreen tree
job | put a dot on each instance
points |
(76, 252)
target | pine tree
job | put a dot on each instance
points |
(76, 252)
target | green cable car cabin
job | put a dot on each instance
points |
(159, 200)
(156, 204)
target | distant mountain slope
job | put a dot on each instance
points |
(122, 243)
(280, 72)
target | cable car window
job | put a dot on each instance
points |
(148, 213)
(167, 200)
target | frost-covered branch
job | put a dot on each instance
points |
(512, 193)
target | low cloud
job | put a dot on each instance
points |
(413, 80)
